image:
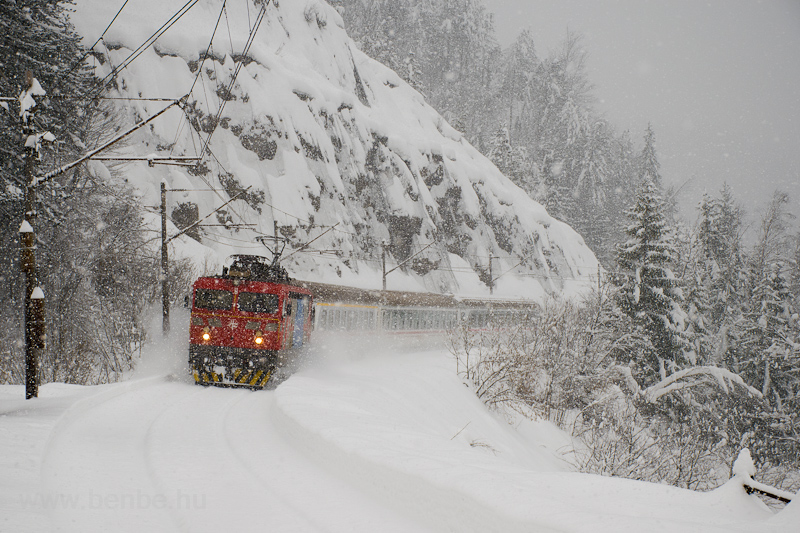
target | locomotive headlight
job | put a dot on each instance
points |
(259, 338)
(206, 333)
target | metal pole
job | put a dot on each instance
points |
(383, 263)
(491, 276)
(164, 263)
(50, 175)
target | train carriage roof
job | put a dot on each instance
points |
(326, 293)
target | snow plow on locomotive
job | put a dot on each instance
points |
(246, 322)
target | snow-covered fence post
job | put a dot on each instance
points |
(744, 470)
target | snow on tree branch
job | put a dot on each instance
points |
(26, 100)
(685, 379)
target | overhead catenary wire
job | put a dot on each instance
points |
(91, 48)
(200, 68)
(245, 51)
(145, 45)
(153, 37)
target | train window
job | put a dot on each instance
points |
(213, 299)
(255, 302)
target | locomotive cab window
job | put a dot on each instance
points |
(254, 302)
(213, 299)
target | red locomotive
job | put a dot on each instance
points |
(245, 321)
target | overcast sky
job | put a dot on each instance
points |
(718, 79)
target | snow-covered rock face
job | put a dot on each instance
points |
(325, 136)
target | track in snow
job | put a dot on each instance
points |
(165, 456)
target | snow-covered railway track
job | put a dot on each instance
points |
(93, 469)
(166, 456)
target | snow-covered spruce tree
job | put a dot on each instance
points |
(511, 161)
(649, 291)
(649, 167)
(765, 345)
(716, 271)
(95, 269)
(36, 37)
(445, 47)
(516, 90)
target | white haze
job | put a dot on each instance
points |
(718, 80)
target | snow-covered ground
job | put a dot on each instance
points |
(365, 436)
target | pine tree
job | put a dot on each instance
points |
(500, 151)
(619, 195)
(511, 161)
(516, 95)
(649, 292)
(719, 237)
(93, 262)
(768, 332)
(38, 37)
(650, 168)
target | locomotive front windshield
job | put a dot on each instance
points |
(213, 299)
(253, 302)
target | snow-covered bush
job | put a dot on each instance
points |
(572, 365)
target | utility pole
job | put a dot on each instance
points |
(34, 296)
(165, 254)
(164, 263)
(383, 263)
(409, 258)
(34, 312)
(491, 276)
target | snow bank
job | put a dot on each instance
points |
(363, 439)
(405, 428)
